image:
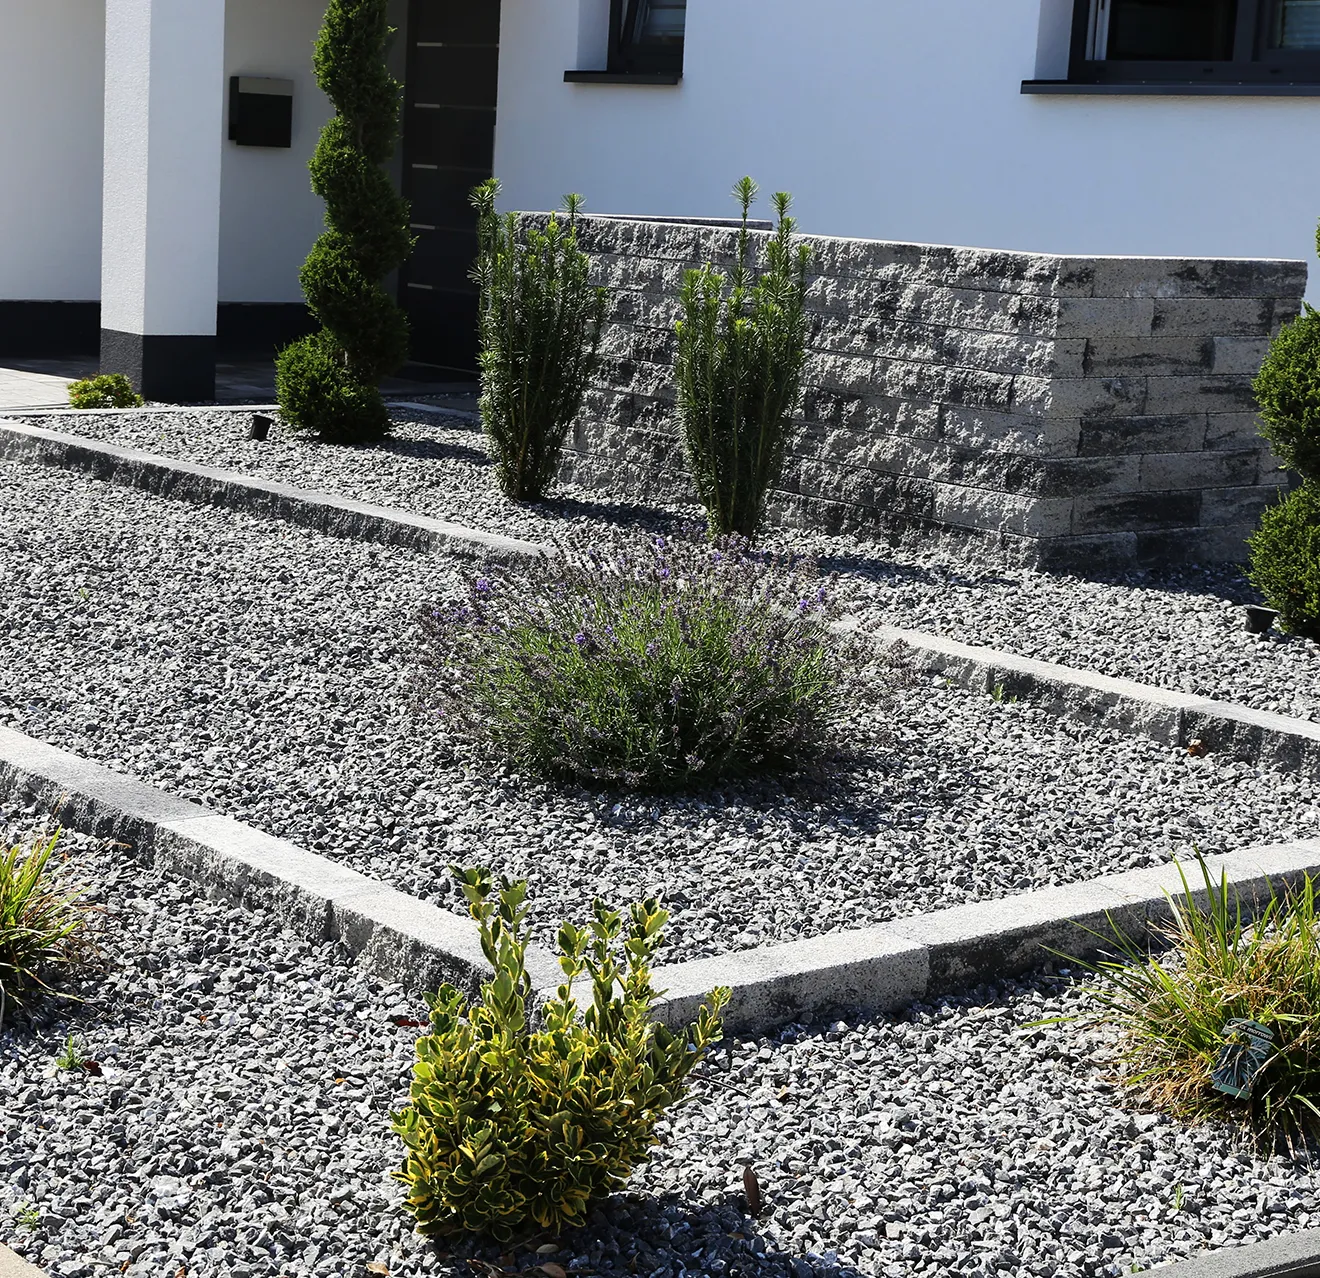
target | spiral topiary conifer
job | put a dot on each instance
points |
(328, 382)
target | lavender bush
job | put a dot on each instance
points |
(660, 668)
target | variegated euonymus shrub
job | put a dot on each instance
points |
(520, 1121)
(652, 666)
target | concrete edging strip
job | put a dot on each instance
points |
(325, 512)
(401, 938)
(14, 1266)
(1173, 718)
(1288, 1256)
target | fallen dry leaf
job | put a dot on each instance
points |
(1197, 748)
(376, 1267)
(554, 1270)
(752, 1190)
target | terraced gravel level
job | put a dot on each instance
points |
(1180, 628)
(235, 1125)
(264, 670)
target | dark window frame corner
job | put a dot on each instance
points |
(1245, 59)
(642, 45)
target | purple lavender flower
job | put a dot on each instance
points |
(580, 639)
(482, 585)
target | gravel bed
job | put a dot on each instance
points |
(1180, 628)
(235, 1125)
(245, 663)
(263, 669)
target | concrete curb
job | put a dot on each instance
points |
(12, 1266)
(400, 938)
(1173, 718)
(394, 936)
(325, 512)
(1290, 1256)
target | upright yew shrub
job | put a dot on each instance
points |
(328, 382)
(540, 336)
(1285, 550)
(741, 349)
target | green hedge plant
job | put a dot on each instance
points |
(741, 352)
(1288, 394)
(1285, 560)
(540, 334)
(520, 1121)
(663, 665)
(42, 926)
(328, 382)
(109, 390)
(1173, 1009)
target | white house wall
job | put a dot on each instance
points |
(903, 120)
(269, 216)
(51, 89)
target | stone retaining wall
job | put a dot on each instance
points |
(1065, 410)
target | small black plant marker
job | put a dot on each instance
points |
(260, 428)
(1248, 1046)
(1259, 619)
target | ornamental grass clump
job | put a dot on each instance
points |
(1177, 1012)
(664, 667)
(540, 330)
(521, 1121)
(41, 925)
(741, 351)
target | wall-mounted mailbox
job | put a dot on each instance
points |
(260, 111)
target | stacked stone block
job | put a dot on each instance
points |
(1067, 411)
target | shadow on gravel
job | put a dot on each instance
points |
(660, 1238)
(431, 450)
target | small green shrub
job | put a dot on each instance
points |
(1288, 393)
(540, 337)
(1172, 1010)
(667, 667)
(109, 390)
(41, 927)
(741, 351)
(1285, 560)
(511, 1127)
(364, 334)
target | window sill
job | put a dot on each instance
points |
(1174, 88)
(622, 77)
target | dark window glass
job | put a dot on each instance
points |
(1171, 30)
(649, 34)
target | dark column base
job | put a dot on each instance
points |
(173, 369)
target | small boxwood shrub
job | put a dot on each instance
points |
(41, 926)
(671, 666)
(109, 390)
(1288, 392)
(512, 1127)
(1173, 1010)
(1285, 560)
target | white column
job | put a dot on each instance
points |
(164, 115)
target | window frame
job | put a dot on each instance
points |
(629, 57)
(1253, 61)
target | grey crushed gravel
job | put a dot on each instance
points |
(1180, 628)
(238, 1128)
(264, 670)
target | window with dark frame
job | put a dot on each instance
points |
(1241, 42)
(646, 36)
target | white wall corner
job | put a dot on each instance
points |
(1054, 39)
(593, 46)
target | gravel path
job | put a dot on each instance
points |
(1180, 628)
(263, 670)
(238, 1128)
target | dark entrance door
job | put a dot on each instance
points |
(448, 147)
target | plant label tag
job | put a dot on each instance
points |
(1248, 1046)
